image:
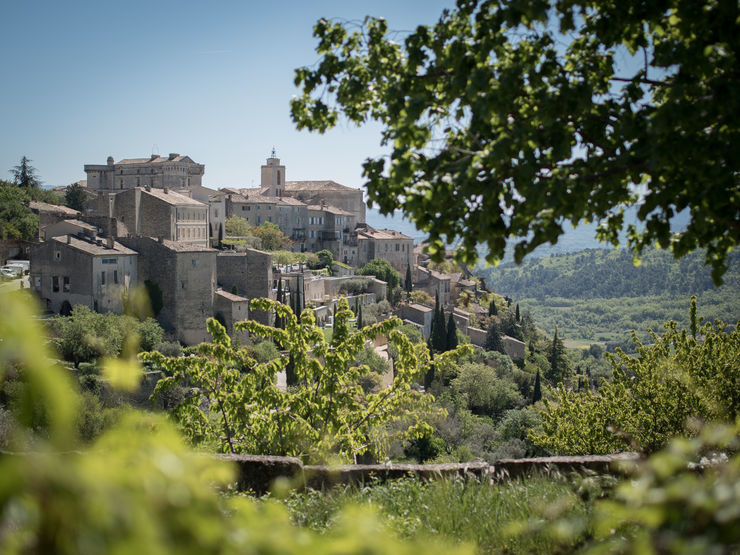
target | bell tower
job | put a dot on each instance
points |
(273, 176)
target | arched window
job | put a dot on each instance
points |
(278, 177)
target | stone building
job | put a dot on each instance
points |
(366, 243)
(151, 212)
(419, 315)
(185, 274)
(174, 172)
(249, 274)
(435, 283)
(51, 214)
(69, 227)
(83, 270)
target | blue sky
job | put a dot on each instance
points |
(85, 80)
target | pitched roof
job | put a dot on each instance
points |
(326, 185)
(93, 248)
(172, 197)
(178, 246)
(80, 223)
(231, 296)
(157, 160)
(329, 208)
(372, 233)
(45, 207)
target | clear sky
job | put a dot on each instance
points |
(85, 80)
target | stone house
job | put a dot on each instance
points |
(230, 309)
(151, 212)
(174, 172)
(419, 315)
(250, 274)
(69, 227)
(434, 283)
(51, 214)
(185, 274)
(70, 270)
(366, 243)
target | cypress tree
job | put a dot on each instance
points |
(518, 317)
(220, 234)
(451, 334)
(559, 363)
(290, 376)
(492, 310)
(279, 298)
(537, 393)
(359, 317)
(439, 334)
(409, 283)
(493, 339)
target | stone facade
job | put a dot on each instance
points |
(91, 272)
(367, 243)
(51, 214)
(419, 315)
(251, 272)
(157, 213)
(230, 309)
(186, 276)
(434, 283)
(175, 172)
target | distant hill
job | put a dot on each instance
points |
(599, 295)
(607, 274)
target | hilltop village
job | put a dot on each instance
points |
(150, 222)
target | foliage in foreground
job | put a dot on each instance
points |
(453, 509)
(683, 375)
(501, 130)
(138, 488)
(236, 403)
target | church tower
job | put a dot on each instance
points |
(273, 176)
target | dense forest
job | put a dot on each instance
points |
(608, 274)
(600, 295)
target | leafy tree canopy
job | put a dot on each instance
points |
(16, 220)
(382, 269)
(653, 396)
(512, 119)
(75, 197)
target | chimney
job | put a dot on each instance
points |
(148, 188)
(173, 155)
(69, 239)
(109, 242)
(99, 242)
(154, 157)
(166, 190)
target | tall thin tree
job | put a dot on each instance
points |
(451, 334)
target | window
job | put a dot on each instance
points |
(244, 208)
(196, 262)
(65, 284)
(58, 255)
(55, 284)
(102, 277)
(115, 276)
(398, 247)
(110, 261)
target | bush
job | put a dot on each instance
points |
(484, 392)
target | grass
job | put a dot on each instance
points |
(487, 515)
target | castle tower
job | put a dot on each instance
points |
(273, 176)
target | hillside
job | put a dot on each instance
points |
(599, 295)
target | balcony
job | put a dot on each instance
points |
(330, 235)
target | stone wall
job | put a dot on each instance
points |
(251, 272)
(186, 275)
(75, 265)
(257, 473)
(477, 336)
(233, 308)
